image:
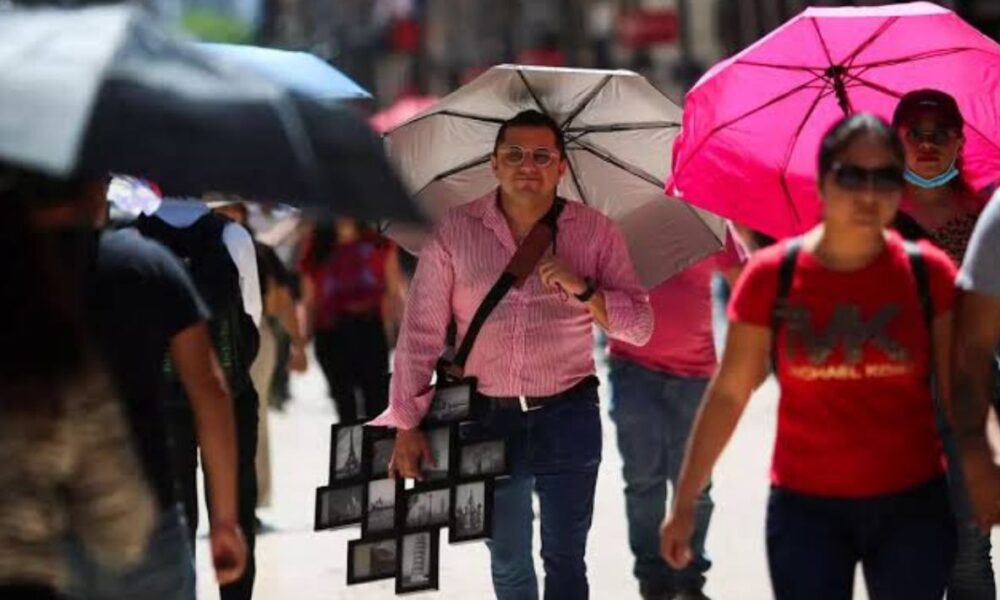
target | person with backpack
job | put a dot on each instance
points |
(941, 206)
(857, 324)
(221, 259)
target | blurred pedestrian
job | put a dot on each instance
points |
(533, 359)
(141, 306)
(938, 205)
(857, 321)
(67, 462)
(220, 258)
(279, 313)
(350, 279)
(655, 392)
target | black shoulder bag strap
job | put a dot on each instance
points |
(786, 273)
(919, 268)
(520, 267)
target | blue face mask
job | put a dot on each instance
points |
(935, 182)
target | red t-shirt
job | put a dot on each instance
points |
(682, 342)
(856, 417)
(350, 281)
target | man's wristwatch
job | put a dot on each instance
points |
(586, 294)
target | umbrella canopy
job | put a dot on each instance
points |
(401, 111)
(103, 89)
(753, 123)
(618, 129)
(303, 72)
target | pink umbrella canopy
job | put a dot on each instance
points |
(401, 111)
(753, 123)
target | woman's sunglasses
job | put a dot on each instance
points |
(853, 177)
(515, 155)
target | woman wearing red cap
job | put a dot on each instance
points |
(939, 205)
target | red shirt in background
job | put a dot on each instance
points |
(350, 280)
(682, 342)
(856, 418)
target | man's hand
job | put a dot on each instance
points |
(675, 537)
(410, 454)
(297, 361)
(229, 552)
(557, 274)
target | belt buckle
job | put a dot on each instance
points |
(523, 401)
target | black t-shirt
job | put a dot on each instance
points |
(140, 299)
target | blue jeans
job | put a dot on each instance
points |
(165, 573)
(654, 412)
(555, 452)
(905, 543)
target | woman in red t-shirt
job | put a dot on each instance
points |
(858, 470)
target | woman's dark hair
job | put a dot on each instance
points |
(43, 341)
(324, 240)
(850, 128)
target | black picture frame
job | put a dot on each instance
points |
(426, 542)
(442, 442)
(459, 529)
(338, 506)
(346, 453)
(382, 566)
(425, 508)
(452, 401)
(482, 458)
(377, 452)
(379, 519)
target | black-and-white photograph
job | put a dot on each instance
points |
(338, 506)
(482, 459)
(381, 456)
(370, 560)
(418, 562)
(430, 508)
(451, 402)
(380, 514)
(345, 455)
(472, 511)
(439, 441)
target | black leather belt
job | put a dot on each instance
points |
(531, 403)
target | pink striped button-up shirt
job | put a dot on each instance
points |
(537, 342)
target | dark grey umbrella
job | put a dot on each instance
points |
(104, 89)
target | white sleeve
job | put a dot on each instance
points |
(241, 248)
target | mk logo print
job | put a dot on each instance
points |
(847, 327)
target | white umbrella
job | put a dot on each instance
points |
(619, 136)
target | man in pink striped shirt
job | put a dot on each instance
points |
(533, 358)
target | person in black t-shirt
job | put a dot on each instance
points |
(141, 306)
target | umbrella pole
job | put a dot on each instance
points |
(836, 76)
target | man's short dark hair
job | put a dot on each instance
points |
(532, 118)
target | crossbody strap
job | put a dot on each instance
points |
(919, 268)
(786, 273)
(517, 271)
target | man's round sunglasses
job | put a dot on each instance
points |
(853, 177)
(938, 136)
(514, 156)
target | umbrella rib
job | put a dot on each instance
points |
(753, 63)
(753, 111)
(791, 150)
(616, 127)
(454, 171)
(586, 101)
(534, 96)
(849, 61)
(913, 58)
(615, 161)
(822, 41)
(576, 182)
(875, 86)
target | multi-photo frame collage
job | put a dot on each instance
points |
(401, 520)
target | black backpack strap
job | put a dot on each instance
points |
(786, 273)
(919, 267)
(493, 298)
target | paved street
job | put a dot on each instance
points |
(299, 564)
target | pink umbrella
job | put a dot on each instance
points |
(753, 123)
(401, 111)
